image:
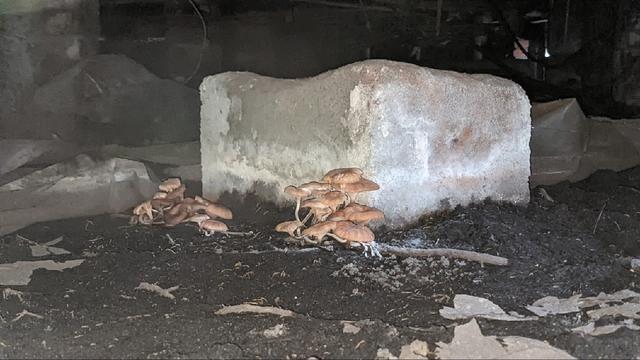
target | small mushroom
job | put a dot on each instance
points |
(319, 209)
(361, 214)
(208, 227)
(319, 230)
(144, 209)
(160, 195)
(177, 193)
(353, 189)
(349, 232)
(162, 204)
(334, 199)
(289, 227)
(298, 194)
(315, 188)
(218, 211)
(342, 175)
(170, 184)
(201, 200)
(198, 218)
(175, 219)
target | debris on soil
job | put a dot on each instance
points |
(46, 249)
(467, 306)
(349, 328)
(628, 310)
(275, 332)
(451, 253)
(417, 349)
(9, 292)
(254, 309)
(593, 330)
(469, 343)
(158, 290)
(26, 313)
(551, 305)
(19, 272)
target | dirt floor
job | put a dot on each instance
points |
(555, 247)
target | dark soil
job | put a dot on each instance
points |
(555, 247)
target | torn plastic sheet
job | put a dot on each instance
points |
(179, 154)
(551, 305)
(467, 306)
(19, 272)
(469, 343)
(15, 153)
(80, 187)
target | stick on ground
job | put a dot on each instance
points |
(254, 309)
(451, 253)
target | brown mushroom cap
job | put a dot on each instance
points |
(177, 193)
(333, 199)
(198, 218)
(296, 192)
(175, 219)
(215, 210)
(288, 227)
(339, 215)
(170, 184)
(201, 200)
(316, 188)
(160, 195)
(314, 204)
(213, 226)
(319, 230)
(351, 232)
(359, 186)
(161, 203)
(364, 217)
(144, 209)
(342, 175)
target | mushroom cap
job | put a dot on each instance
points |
(359, 186)
(213, 226)
(144, 209)
(198, 218)
(161, 203)
(189, 201)
(175, 219)
(364, 217)
(177, 193)
(316, 188)
(342, 175)
(339, 215)
(319, 230)
(314, 204)
(351, 232)
(288, 227)
(201, 200)
(160, 195)
(296, 192)
(333, 199)
(170, 184)
(215, 210)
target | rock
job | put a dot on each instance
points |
(432, 139)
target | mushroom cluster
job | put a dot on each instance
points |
(169, 207)
(333, 211)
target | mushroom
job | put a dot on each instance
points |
(219, 211)
(160, 195)
(315, 188)
(319, 209)
(177, 193)
(342, 175)
(198, 218)
(361, 214)
(348, 232)
(142, 210)
(319, 230)
(289, 227)
(170, 184)
(175, 218)
(208, 227)
(298, 194)
(201, 200)
(354, 188)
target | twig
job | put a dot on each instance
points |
(545, 195)
(595, 227)
(254, 309)
(451, 253)
(26, 313)
(8, 292)
(237, 233)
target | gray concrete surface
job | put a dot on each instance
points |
(432, 139)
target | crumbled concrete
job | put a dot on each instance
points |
(432, 139)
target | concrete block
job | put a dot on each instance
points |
(432, 139)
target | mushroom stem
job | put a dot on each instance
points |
(306, 218)
(338, 238)
(298, 199)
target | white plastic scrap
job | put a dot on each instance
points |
(593, 330)
(416, 350)
(19, 272)
(274, 332)
(551, 305)
(469, 343)
(47, 248)
(467, 306)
